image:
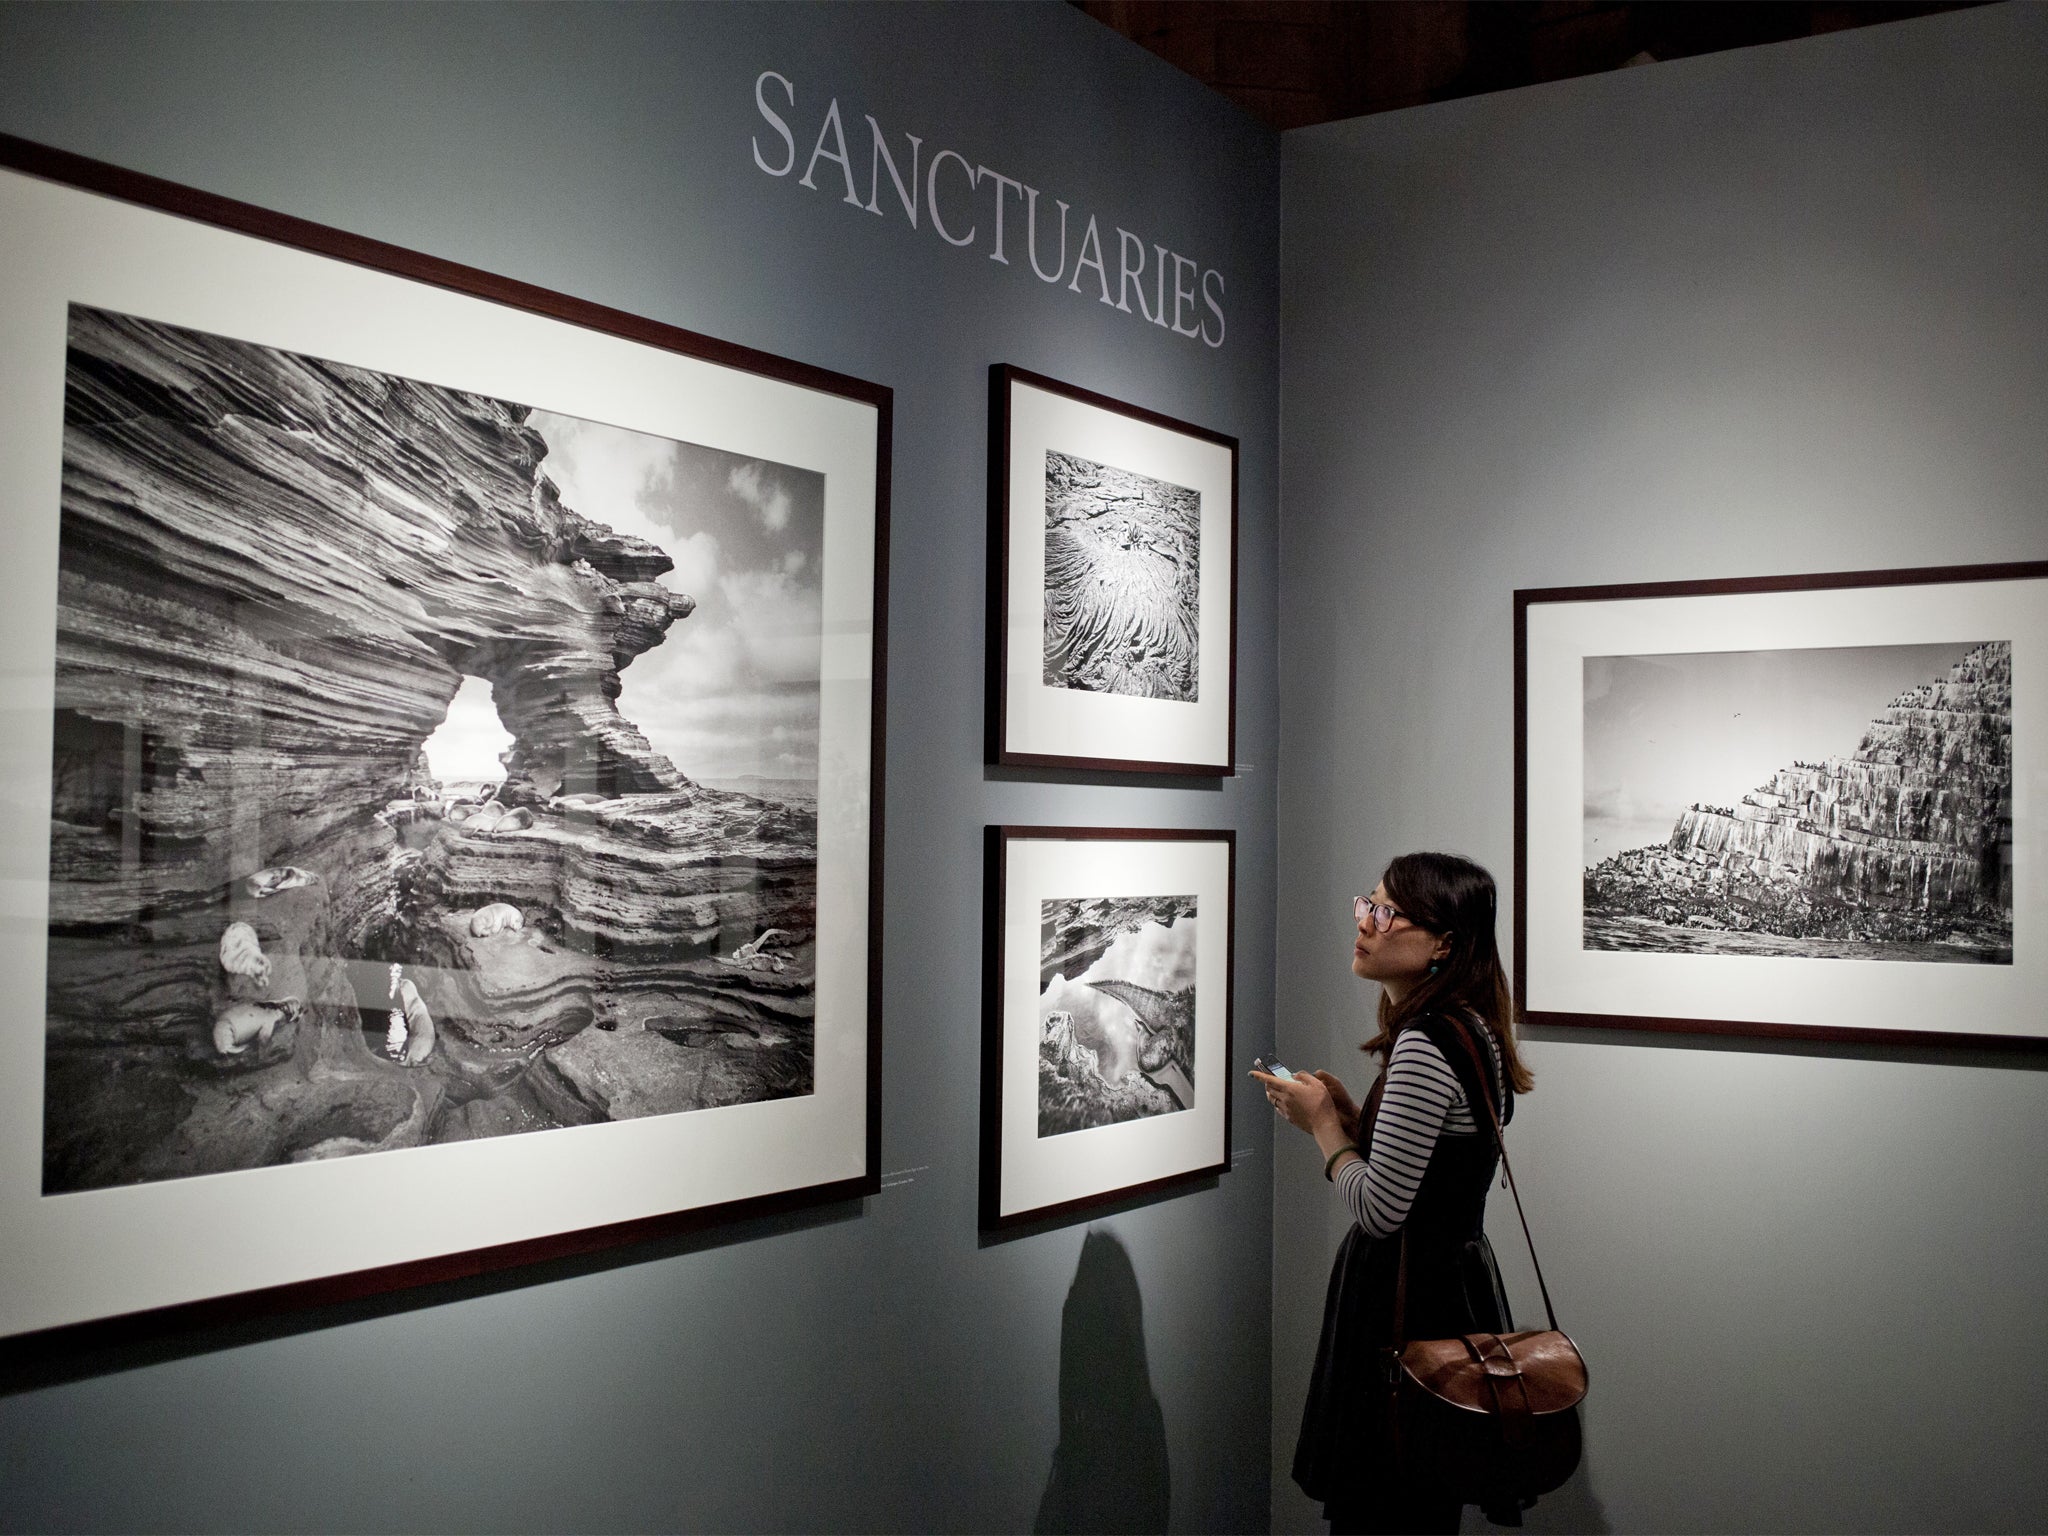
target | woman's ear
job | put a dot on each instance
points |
(1442, 952)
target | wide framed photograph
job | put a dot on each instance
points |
(1106, 1044)
(443, 771)
(1112, 583)
(1801, 807)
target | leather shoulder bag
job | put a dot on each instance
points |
(1490, 1418)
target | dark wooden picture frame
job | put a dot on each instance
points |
(859, 904)
(1829, 884)
(1014, 679)
(1161, 1166)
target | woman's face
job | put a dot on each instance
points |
(1402, 955)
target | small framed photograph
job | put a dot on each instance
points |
(1106, 1053)
(446, 731)
(1804, 807)
(1112, 583)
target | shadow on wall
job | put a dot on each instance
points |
(1575, 1508)
(1109, 1469)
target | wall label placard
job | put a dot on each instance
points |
(972, 206)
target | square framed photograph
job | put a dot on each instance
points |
(1803, 807)
(1112, 583)
(444, 767)
(1106, 1048)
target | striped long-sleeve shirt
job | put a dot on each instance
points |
(1423, 1100)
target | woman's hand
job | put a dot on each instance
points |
(1347, 1110)
(1306, 1102)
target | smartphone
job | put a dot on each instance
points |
(1272, 1069)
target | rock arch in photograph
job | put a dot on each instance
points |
(275, 574)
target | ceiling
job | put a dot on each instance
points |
(1296, 62)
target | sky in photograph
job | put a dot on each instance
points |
(1149, 956)
(1662, 732)
(469, 746)
(731, 693)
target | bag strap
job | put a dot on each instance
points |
(1485, 1079)
(1499, 1141)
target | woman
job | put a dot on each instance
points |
(1413, 1168)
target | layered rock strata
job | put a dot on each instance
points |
(274, 574)
(1122, 581)
(1906, 839)
(1073, 1095)
(1076, 931)
(1061, 1049)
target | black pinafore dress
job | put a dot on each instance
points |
(1343, 1456)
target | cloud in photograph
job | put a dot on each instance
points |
(610, 476)
(762, 489)
(732, 691)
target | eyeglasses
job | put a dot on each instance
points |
(1381, 914)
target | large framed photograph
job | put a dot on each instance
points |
(1799, 807)
(1107, 1038)
(444, 757)
(1112, 583)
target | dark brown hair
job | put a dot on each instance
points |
(1445, 894)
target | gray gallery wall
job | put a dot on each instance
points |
(875, 1366)
(1770, 311)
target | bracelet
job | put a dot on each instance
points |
(1329, 1167)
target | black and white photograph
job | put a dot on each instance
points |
(1106, 1057)
(446, 721)
(1117, 1016)
(427, 767)
(1847, 803)
(1785, 807)
(1112, 583)
(1123, 581)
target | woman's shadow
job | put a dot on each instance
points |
(1109, 1469)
